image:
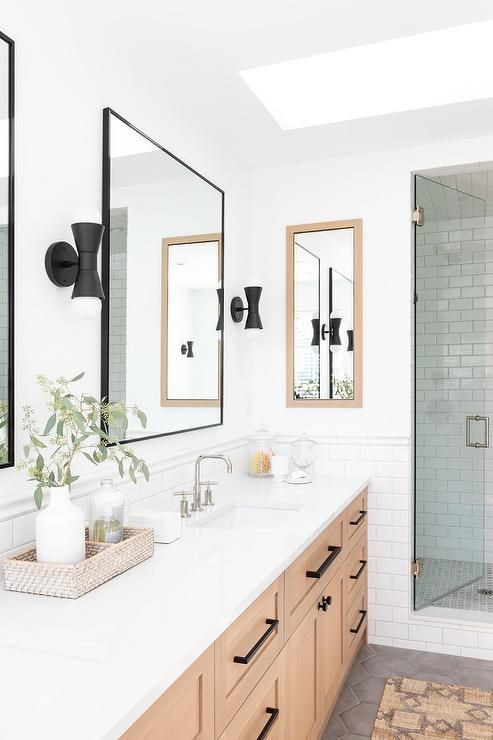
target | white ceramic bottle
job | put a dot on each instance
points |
(60, 530)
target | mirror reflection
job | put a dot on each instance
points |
(6, 236)
(322, 296)
(162, 336)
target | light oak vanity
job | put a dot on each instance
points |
(277, 671)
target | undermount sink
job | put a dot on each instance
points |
(249, 517)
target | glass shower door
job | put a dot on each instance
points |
(451, 427)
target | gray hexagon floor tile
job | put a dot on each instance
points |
(365, 652)
(347, 699)
(474, 679)
(437, 677)
(388, 665)
(334, 729)
(357, 673)
(445, 665)
(361, 718)
(370, 689)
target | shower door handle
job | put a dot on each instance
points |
(486, 420)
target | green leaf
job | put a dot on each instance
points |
(131, 472)
(145, 470)
(89, 458)
(50, 424)
(36, 442)
(59, 428)
(77, 377)
(121, 469)
(27, 450)
(141, 417)
(80, 421)
(38, 497)
(90, 399)
(67, 403)
(40, 462)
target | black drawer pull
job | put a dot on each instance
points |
(355, 630)
(362, 515)
(244, 659)
(274, 714)
(334, 552)
(363, 566)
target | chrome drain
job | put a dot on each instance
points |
(485, 591)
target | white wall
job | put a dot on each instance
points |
(68, 67)
(376, 438)
(376, 188)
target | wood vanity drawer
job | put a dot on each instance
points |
(356, 569)
(245, 651)
(356, 621)
(356, 518)
(263, 711)
(311, 572)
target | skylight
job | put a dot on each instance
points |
(453, 65)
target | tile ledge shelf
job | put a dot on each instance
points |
(21, 502)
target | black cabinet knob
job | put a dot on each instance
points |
(325, 603)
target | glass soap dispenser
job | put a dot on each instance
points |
(260, 452)
(107, 514)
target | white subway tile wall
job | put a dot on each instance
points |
(386, 460)
(391, 618)
(454, 313)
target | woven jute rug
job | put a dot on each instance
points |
(411, 710)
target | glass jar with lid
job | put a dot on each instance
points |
(303, 453)
(260, 452)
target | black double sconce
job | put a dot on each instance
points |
(237, 308)
(332, 331)
(65, 267)
(187, 349)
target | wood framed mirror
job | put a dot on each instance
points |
(190, 342)
(324, 297)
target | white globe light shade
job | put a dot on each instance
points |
(87, 307)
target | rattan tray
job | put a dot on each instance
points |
(23, 573)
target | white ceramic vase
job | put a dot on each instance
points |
(60, 530)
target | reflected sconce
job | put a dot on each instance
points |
(253, 322)
(350, 340)
(335, 344)
(220, 320)
(187, 349)
(316, 333)
(65, 267)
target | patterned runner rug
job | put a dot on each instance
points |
(412, 710)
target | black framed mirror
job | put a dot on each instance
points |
(162, 274)
(6, 251)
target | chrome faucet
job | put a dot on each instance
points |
(197, 486)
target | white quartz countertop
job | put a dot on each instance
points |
(87, 669)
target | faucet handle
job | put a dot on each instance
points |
(184, 506)
(208, 492)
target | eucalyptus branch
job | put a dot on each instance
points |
(76, 427)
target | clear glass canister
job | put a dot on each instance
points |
(106, 522)
(303, 452)
(260, 453)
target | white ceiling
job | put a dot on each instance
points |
(201, 46)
